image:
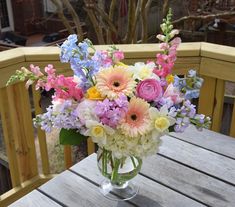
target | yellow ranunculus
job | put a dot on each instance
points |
(121, 64)
(97, 131)
(94, 94)
(162, 123)
(170, 79)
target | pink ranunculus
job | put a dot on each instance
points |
(174, 94)
(149, 90)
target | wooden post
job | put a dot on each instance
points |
(219, 105)
(8, 138)
(68, 156)
(232, 126)
(22, 129)
(41, 135)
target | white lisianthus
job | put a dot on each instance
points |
(160, 119)
(98, 132)
(85, 111)
(142, 71)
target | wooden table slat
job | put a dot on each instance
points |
(203, 160)
(35, 199)
(195, 184)
(72, 190)
(151, 193)
(216, 142)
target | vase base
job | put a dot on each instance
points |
(118, 193)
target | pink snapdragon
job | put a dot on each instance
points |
(117, 56)
(35, 70)
(165, 62)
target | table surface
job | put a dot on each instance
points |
(191, 169)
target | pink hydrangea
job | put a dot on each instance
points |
(149, 90)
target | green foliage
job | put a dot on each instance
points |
(71, 137)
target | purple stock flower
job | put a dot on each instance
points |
(111, 112)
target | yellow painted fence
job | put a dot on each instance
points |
(214, 62)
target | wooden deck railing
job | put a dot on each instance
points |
(214, 62)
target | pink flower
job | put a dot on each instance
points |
(161, 37)
(118, 55)
(149, 90)
(164, 46)
(174, 94)
(50, 70)
(35, 70)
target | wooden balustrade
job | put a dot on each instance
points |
(214, 62)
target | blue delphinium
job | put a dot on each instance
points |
(190, 85)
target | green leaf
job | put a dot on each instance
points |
(71, 137)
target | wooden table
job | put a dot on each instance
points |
(191, 169)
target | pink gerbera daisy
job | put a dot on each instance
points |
(114, 81)
(137, 120)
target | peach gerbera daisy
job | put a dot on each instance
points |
(114, 81)
(137, 121)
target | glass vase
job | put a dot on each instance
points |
(118, 173)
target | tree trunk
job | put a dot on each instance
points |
(59, 11)
(75, 19)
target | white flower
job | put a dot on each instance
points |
(161, 120)
(85, 111)
(142, 71)
(98, 132)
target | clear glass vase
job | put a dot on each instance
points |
(118, 173)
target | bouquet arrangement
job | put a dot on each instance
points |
(125, 109)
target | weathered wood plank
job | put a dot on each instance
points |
(21, 190)
(71, 189)
(195, 184)
(36, 199)
(150, 194)
(201, 159)
(208, 139)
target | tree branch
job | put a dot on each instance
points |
(204, 17)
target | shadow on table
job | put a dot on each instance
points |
(142, 201)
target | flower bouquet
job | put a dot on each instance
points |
(125, 109)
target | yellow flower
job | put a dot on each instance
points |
(121, 64)
(170, 79)
(94, 94)
(145, 72)
(162, 123)
(97, 131)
